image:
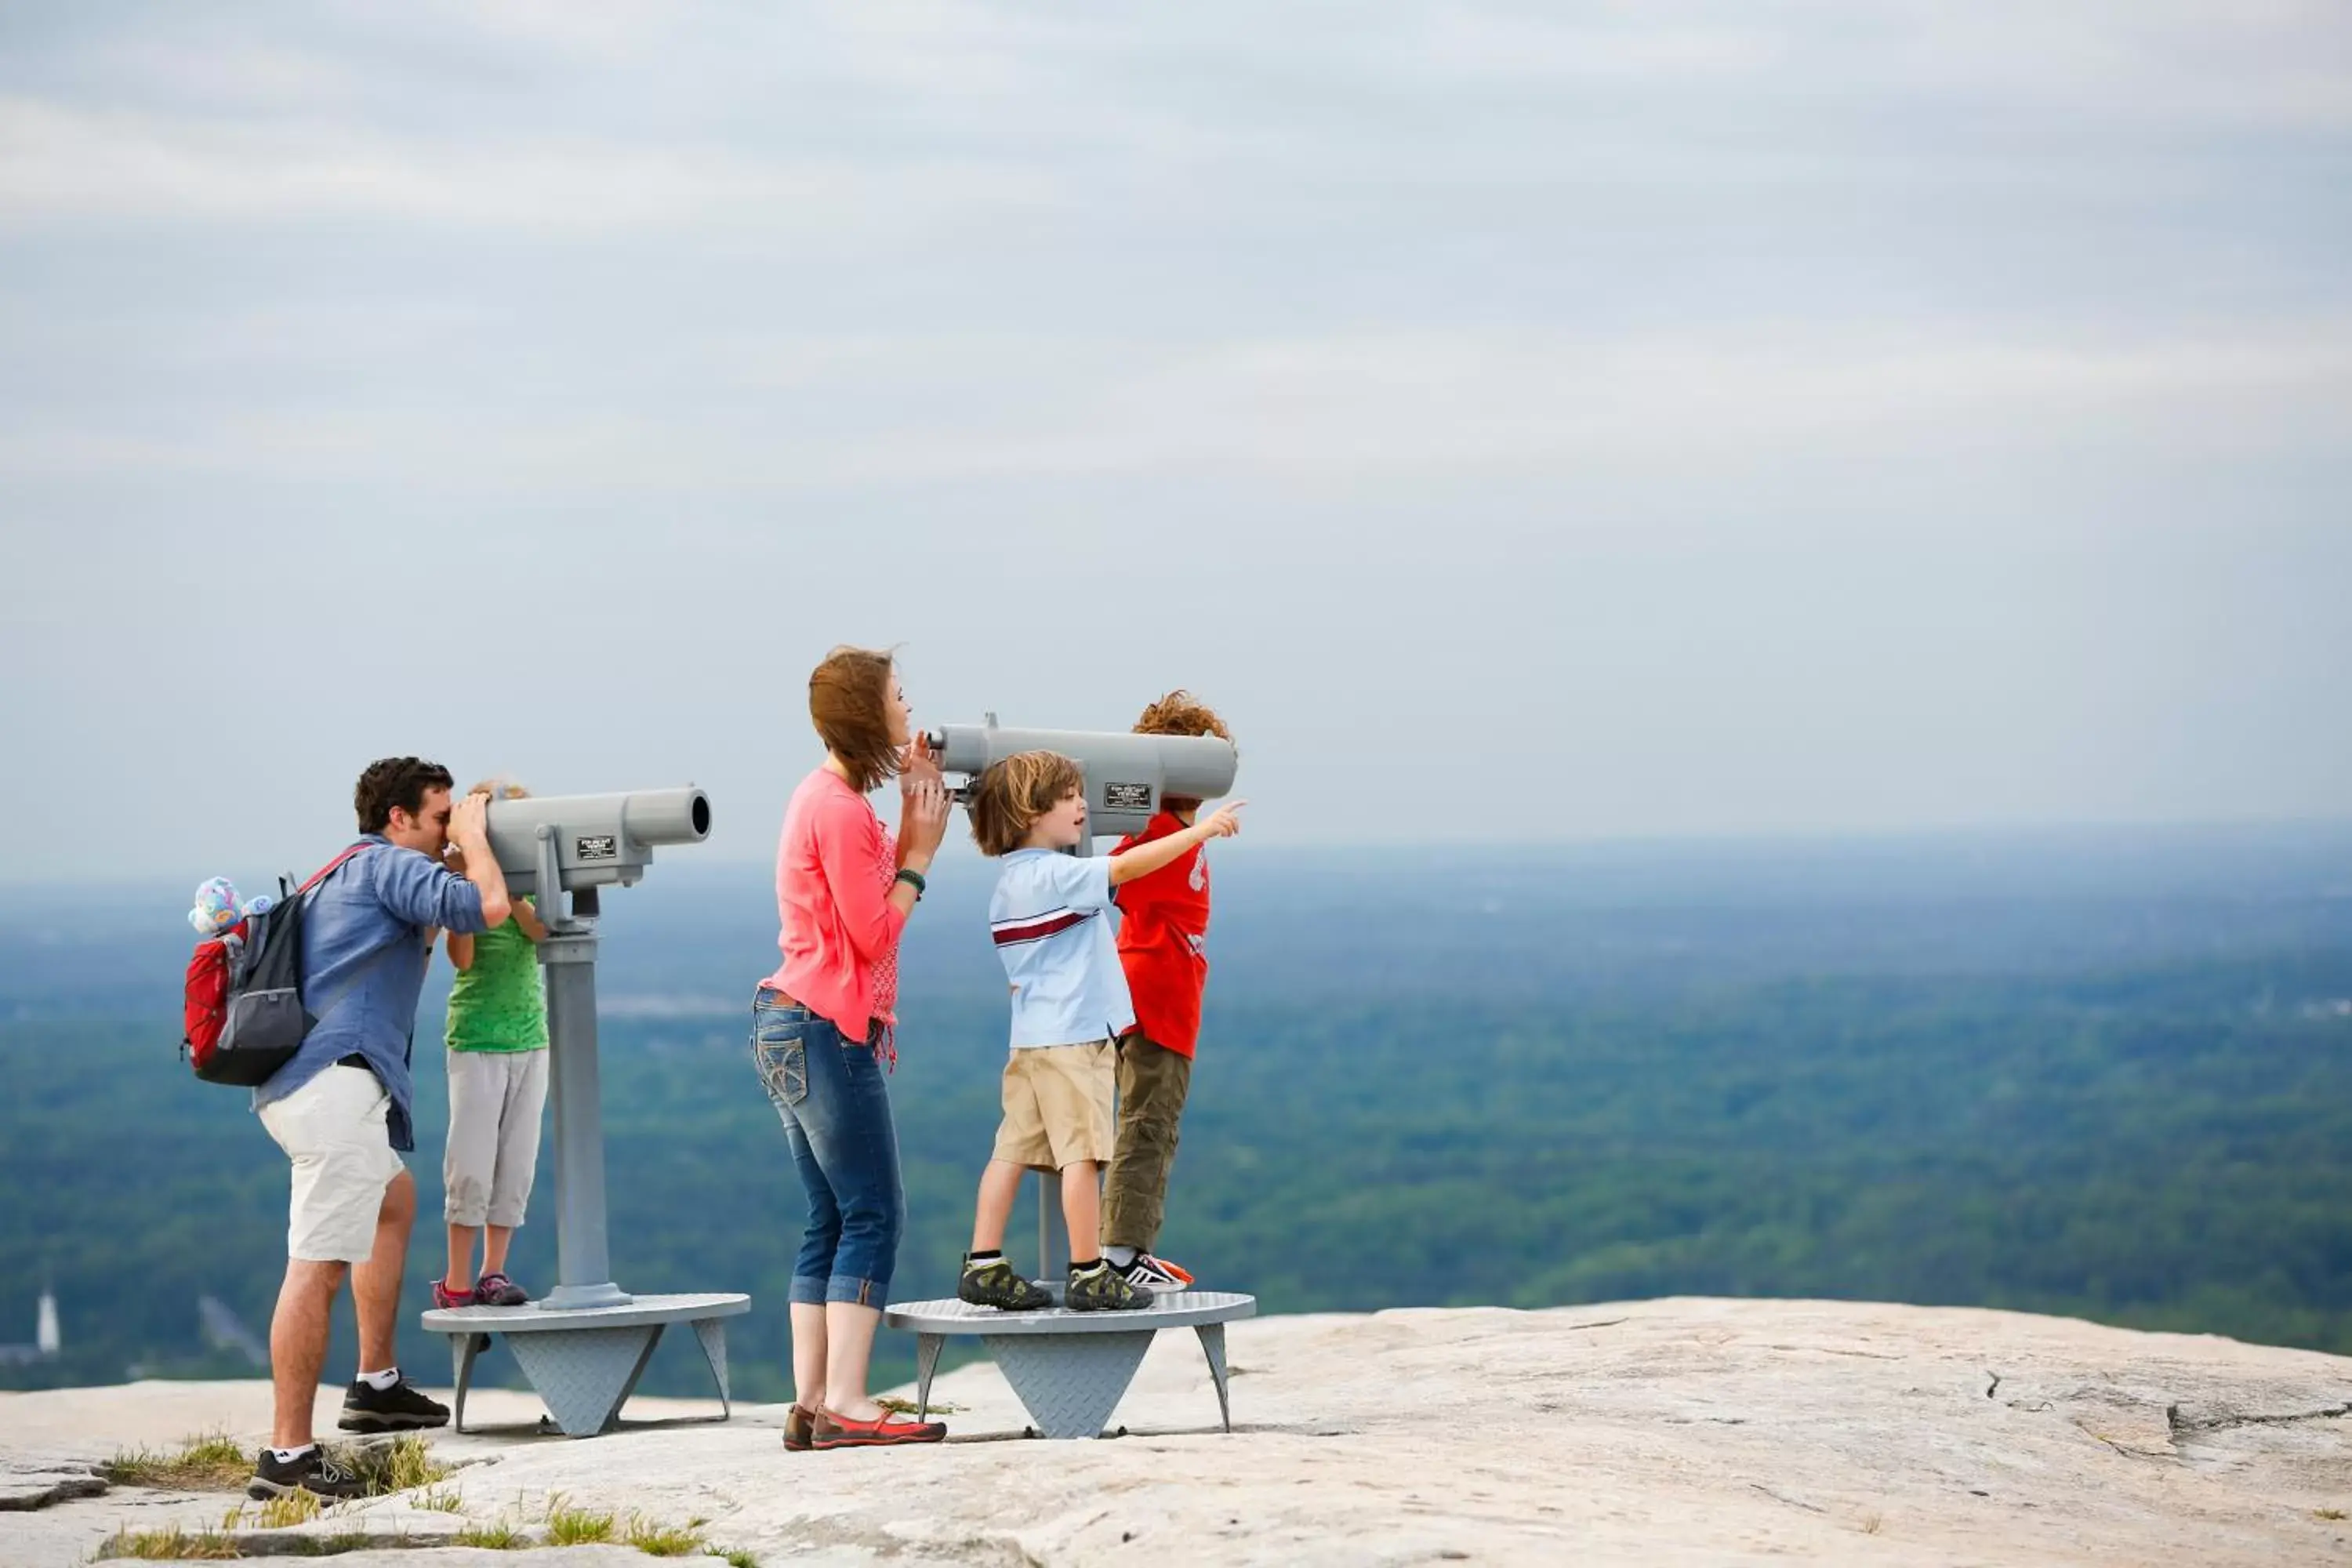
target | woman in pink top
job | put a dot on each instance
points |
(821, 1034)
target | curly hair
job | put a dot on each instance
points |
(1180, 713)
(1014, 794)
(395, 783)
(849, 703)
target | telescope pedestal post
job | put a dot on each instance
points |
(583, 1261)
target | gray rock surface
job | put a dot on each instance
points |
(1659, 1432)
(28, 1483)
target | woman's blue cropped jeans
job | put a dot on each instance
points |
(835, 1109)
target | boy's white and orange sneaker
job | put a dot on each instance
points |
(1156, 1273)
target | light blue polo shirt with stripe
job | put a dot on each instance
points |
(1051, 920)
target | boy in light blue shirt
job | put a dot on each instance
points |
(1051, 920)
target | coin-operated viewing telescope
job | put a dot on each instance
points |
(583, 1345)
(575, 842)
(1127, 775)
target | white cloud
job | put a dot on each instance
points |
(69, 164)
(1333, 414)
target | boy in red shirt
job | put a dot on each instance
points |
(1161, 937)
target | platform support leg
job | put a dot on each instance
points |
(463, 1349)
(1212, 1345)
(711, 1334)
(927, 1362)
(586, 1375)
(1069, 1383)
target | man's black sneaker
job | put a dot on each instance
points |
(1101, 1287)
(998, 1284)
(313, 1472)
(400, 1408)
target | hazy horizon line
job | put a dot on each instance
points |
(1797, 840)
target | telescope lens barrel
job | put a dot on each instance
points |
(1127, 775)
(666, 816)
(598, 840)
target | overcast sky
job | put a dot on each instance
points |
(1568, 420)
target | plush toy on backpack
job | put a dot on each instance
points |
(217, 910)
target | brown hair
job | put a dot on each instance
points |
(849, 703)
(1014, 794)
(1180, 713)
(395, 783)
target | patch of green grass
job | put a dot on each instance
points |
(296, 1507)
(173, 1545)
(569, 1526)
(657, 1540)
(402, 1465)
(211, 1462)
(440, 1502)
(498, 1537)
(737, 1559)
(2327, 1513)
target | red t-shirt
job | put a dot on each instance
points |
(1162, 938)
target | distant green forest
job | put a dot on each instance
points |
(2165, 1144)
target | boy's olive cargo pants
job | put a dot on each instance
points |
(1153, 1083)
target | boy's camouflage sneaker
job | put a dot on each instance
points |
(998, 1284)
(1099, 1287)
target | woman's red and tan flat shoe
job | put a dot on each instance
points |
(885, 1430)
(799, 1421)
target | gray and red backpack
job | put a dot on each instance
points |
(242, 1013)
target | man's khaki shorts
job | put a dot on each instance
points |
(332, 1128)
(1057, 1106)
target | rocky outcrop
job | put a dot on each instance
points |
(1659, 1432)
(33, 1482)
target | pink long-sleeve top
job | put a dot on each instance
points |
(834, 868)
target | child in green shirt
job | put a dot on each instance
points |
(497, 1088)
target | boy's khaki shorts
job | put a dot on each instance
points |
(1057, 1106)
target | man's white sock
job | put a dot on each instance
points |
(381, 1381)
(1124, 1257)
(288, 1456)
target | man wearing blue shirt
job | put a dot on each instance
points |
(339, 1108)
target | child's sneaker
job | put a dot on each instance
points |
(1156, 1273)
(447, 1299)
(998, 1284)
(497, 1291)
(1099, 1287)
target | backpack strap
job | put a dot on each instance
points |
(325, 870)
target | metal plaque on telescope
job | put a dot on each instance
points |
(1127, 797)
(595, 846)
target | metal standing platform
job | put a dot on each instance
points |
(584, 1348)
(1069, 1369)
(585, 1361)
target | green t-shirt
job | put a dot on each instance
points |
(496, 1005)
